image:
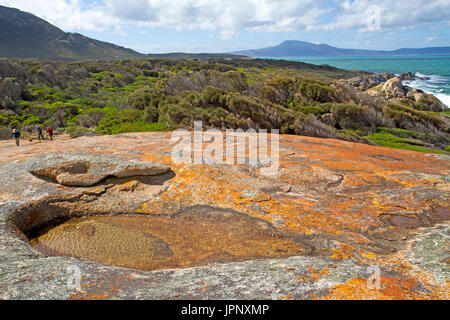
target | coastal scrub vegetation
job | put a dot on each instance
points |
(111, 97)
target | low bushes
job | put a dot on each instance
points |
(405, 117)
(132, 127)
(314, 90)
(108, 97)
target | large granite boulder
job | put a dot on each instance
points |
(364, 82)
(81, 173)
(393, 88)
(341, 208)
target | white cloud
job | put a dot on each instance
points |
(232, 16)
(430, 39)
(228, 17)
(392, 14)
(228, 34)
(184, 47)
(68, 14)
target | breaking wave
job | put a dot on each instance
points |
(439, 86)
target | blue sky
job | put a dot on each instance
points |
(156, 26)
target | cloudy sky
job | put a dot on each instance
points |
(155, 26)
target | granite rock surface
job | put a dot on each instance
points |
(359, 212)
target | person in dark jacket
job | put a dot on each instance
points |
(50, 133)
(16, 135)
(40, 135)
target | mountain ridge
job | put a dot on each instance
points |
(24, 35)
(302, 48)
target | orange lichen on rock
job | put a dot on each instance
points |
(317, 274)
(335, 200)
(335, 188)
(390, 288)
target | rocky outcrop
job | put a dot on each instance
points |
(10, 93)
(408, 76)
(365, 82)
(13, 79)
(86, 174)
(393, 90)
(390, 89)
(333, 208)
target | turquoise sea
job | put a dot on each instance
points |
(437, 68)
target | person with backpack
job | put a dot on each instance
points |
(50, 133)
(16, 135)
(40, 135)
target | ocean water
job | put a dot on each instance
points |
(437, 68)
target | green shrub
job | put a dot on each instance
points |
(91, 118)
(76, 132)
(32, 120)
(426, 105)
(173, 114)
(136, 127)
(144, 97)
(314, 90)
(400, 113)
(201, 114)
(315, 110)
(346, 109)
(353, 136)
(212, 95)
(269, 93)
(5, 133)
(237, 80)
(15, 124)
(115, 117)
(4, 120)
(151, 114)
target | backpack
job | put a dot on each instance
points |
(16, 133)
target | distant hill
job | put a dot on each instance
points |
(293, 48)
(198, 56)
(23, 35)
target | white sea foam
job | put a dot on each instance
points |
(434, 85)
(445, 98)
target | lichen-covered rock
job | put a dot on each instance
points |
(134, 170)
(80, 173)
(68, 167)
(350, 205)
(80, 180)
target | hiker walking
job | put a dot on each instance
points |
(50, 133)
(16, 135)
(40, 135)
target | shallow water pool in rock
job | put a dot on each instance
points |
(187, 239)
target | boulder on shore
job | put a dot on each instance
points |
(394, 91)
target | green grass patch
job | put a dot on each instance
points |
(384, 138)
(132, 127)
(403, 133)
